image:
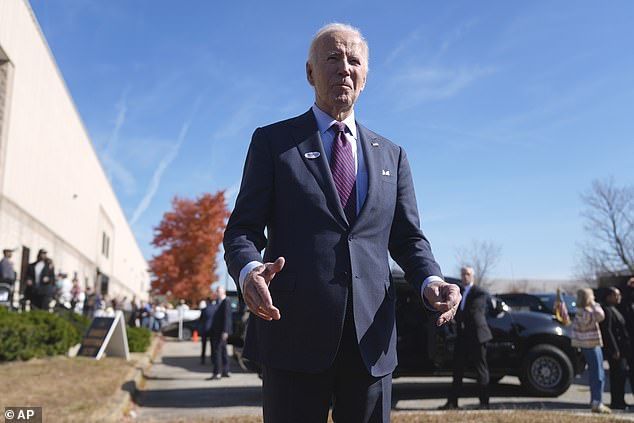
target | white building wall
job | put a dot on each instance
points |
(54, 193)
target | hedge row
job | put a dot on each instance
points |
(39, 334)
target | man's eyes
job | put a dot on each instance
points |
(352, 60)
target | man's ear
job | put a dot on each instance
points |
(309, 74)
(363, 84)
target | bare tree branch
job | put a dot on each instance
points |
(609, 226)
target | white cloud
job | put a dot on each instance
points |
(115, 171)
(162, 166)
(158, 174)
(432, 83)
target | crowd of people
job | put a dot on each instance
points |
(44, 289)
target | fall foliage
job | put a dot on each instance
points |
(190, 237)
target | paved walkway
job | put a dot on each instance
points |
(177, 387)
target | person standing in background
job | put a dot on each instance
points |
(220, 331)
(586, 335)
(616, 347)
(204, 326)
(75, 294)
(7, 271)
(40, 275)
(473, 333)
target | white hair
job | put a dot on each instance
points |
(333, 27)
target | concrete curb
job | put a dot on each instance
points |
(123, 399)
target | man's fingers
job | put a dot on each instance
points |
(445, 317)
(258, 299)
(270, 269)
(441, 306)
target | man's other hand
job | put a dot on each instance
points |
(256, 290)
(444, 297)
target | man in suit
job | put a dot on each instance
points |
(7, 271)
(329, 200)
(473, 333)
(616, 347)
(40, 280)
(204, 326)
(220, 331)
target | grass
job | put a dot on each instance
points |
(68, 389)
(502, 416)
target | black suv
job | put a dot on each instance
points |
(529, 345)
(543, 302)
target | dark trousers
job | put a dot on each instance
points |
(204, 339)
(219, 357)
(464, 354)
(630, 364)
(41, 301)
(355, 395)
(618, 373)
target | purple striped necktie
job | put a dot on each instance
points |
(343, 171)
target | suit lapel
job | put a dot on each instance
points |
(371, 154)
(308, 140)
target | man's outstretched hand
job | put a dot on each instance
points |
(444, 297)
(256, 290)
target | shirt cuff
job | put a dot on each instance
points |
(245, 271)
(426, 282)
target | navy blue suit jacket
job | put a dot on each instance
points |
(222, 319)
(293, 196)
(206, 320)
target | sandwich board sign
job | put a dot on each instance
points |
(106, 335)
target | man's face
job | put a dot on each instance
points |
(615, 297)
(467, 276)
(339, 71)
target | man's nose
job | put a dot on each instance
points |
(344, 67)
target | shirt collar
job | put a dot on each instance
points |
(325, 121)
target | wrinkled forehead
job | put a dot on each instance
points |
(341, 41)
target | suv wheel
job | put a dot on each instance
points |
(546, 371)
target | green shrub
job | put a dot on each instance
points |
(79, 321)
(138, 339)
(35, 334)
(39, 334)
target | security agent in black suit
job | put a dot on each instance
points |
(204, 326)
(616, 347)
(221, 328)
(473, 333)
(324, 329)
(40, 281)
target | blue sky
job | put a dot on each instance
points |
(508, 110)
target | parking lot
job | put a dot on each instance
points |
(176, 387)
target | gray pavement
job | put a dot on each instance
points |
(177, 387)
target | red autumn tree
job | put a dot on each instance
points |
(190, 237)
